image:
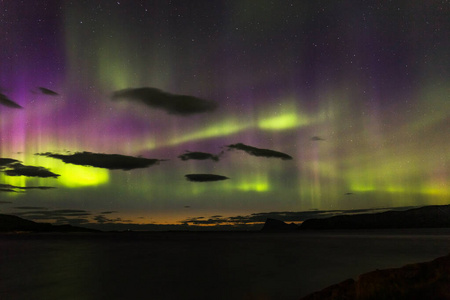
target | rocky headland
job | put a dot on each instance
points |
(434, 216)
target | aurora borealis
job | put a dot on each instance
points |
(356, 92)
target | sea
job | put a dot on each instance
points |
(202, 265)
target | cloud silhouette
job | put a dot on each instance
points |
(7, 161)
(198, 156)
(53, 214)
(17, 169)
(17, 189)
(5, 101)
(106, 161)
(29, 207)
(46, 91)
(39, 188)
(71, 212)
(102, 219)
(72, 221)
(259, 152)
(204, 221)
(204, 177)
(173, 104)
(4, 202)
(317, 138)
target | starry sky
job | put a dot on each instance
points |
(289, 109)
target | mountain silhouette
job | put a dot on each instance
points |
(436, 216)
(9, 223)
(277, 225)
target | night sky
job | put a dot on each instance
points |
(222, 112)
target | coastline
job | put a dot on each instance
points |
(424, 280)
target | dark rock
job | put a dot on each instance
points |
(277, 225)
(429, 280)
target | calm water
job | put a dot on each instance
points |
(202, 265)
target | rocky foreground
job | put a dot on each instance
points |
(429, 280)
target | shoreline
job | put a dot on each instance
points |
(422, 280)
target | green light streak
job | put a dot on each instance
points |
(432, 107)
(112, 73)
(224, 128)
(289, 118)
(253, 187)
(287, 115)
(73, 176)
(78, 176)
(282, 122)
(258, 184)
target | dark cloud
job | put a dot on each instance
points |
(5, 101)
(173, 104)
(30, 207)
(101, 219)
(204, 177)
(18, 169)
(101, 160)
(60, 214)
(7, 161)
(317, 138)
(259, 152)
(348, 194)
(38, 188)
(7, 186)
(108, 212)
(204, 221)
(13, 167)
(18, 189)
(71, 212)
(4, 202)
(72, 221)
(198, 156)
(46, 91)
